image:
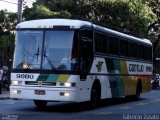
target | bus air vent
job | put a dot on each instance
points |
(40, 83)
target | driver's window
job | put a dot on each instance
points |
(74, 54)
(86, 49)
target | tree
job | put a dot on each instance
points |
(7, 21)
(154, 30)
(41, 12)
(109, 13)
(142, 16)
(7, 27)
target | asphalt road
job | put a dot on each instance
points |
(147, 108)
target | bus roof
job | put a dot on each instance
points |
(50, 23)
(119, 34)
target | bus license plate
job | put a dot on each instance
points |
(39, 92)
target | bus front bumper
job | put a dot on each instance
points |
(48, 94)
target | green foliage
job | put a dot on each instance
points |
(41, 12)
(7, 27)
(128, 16)
(6, 48)
(142, 16)
(7, 21)
(154, 28)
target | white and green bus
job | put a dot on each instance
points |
(77, 61)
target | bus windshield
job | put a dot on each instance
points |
(52, 50)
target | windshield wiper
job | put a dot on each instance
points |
(33, 58)
(50, 61)
(37, 54)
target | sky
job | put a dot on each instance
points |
(11, 5)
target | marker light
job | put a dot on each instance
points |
(67, 84)
(66, 94)
(16, 91)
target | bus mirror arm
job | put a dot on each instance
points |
(83, 75)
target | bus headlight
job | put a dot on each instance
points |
(15, 82)
(68, 84)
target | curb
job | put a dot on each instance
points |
(5, 95)
(2, 98)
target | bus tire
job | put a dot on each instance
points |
(95, 95)
(138, 90)
(40, 103)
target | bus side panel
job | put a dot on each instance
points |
(115, 78)
(84, 88)
(129, 82)
(138, 71)
(146, 84)
(99, 71)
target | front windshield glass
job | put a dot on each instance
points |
(58, 50)
(49, 50)
(28, 49)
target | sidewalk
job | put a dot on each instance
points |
(5, 95)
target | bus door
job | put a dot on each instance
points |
(86, 52)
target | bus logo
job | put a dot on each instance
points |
(99, 66)
(39, 82)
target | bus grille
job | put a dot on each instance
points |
(40, 83)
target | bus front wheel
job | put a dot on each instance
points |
(40, 103)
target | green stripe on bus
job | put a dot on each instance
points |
(63, 78)
(42, 77)
(52, 77)
(116, 82)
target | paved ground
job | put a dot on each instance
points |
(5, 95)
